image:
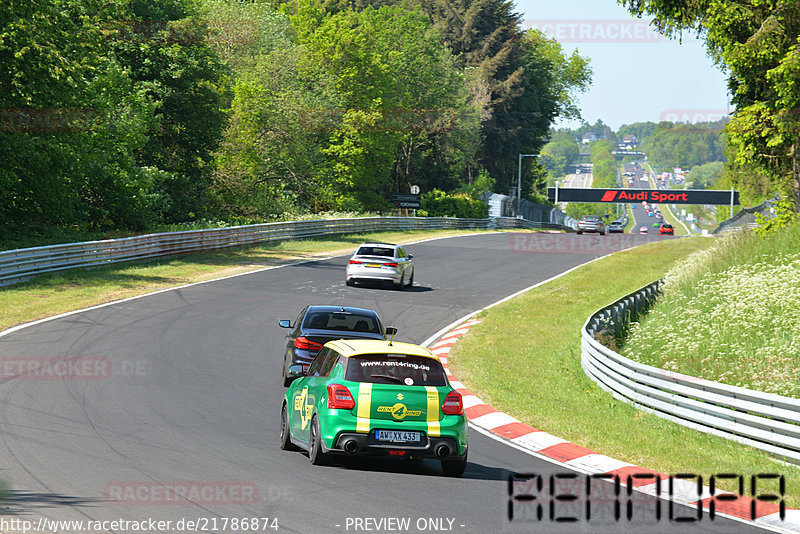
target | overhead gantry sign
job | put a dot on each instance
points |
(635, 196)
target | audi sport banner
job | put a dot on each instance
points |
(651, 196)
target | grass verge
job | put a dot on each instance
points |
(79, 288)
(631, 220)
(527, 363)
(730, 315)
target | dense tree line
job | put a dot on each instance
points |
(639, 129)
(130, 113)
(758, 45)
(604, 175)
(685, 145)
(559, 153)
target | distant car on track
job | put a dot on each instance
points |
(316, 325)
(375, 398)
(381, 262)
(666, 229)
(616, 227)
(643, 230)
(591, 223)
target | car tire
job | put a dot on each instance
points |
(286, 439)
(411, 280)
(402, 284)
(315, 452)
(579, 232)
(602, 233)
(350, 282)
(454, 468)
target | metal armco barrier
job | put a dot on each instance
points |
(23, 264)
(762, 420)
(746, 218)
(506, 223)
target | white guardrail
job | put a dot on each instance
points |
(762, 420)
(23, 264)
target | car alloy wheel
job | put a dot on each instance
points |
(286, 440)
(316, 454)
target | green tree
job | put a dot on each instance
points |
(163, 44)
(524, 80)
(757, 43)
(639, 129)
(685, 145)
(558, 154)
(74, 121)
(280, 120)
(401, 97)
(706, 175)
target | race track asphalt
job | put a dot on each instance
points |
(183, 389)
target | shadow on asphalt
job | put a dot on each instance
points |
(386, 287)
(421, 467)
(9, 500)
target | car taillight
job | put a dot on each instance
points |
(390, 265)
(453, 405)
(355, 262)
(339, 397)
(303, 343)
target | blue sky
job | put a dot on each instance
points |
(638, 75)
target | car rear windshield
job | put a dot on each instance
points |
(395, 369)
(376, 251)
(348, 322)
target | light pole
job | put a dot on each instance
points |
(519, 178)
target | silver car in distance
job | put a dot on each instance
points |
(381, 263)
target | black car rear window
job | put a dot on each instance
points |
(395, 369)
(347, 322)
(376, 251)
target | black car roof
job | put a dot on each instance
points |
(342, 309)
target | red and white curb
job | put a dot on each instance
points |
(581, 459)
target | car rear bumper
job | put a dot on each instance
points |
(395, 278)
(338, 423)
(359, 273)
(354, 444)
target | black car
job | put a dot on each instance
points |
(316, 325)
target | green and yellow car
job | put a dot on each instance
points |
(376, 398)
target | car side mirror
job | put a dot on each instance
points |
(410, 256)
(285, 323)
(295, 371)
(390, 330)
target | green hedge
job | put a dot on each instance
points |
(437, 203)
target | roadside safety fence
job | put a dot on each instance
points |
(23, 264)
(762, 420)
(746, 217)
